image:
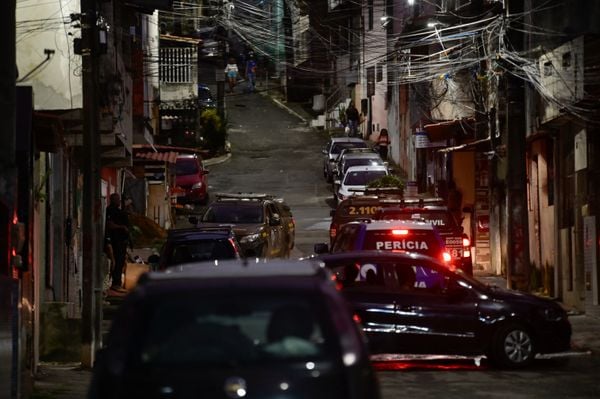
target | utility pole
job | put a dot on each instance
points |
(518, 267)
(92, 295)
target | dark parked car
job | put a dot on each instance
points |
(411, 303)
(257, 220)
(197, 245)
(274, 329)
(205, 98)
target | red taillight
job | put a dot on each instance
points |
(234, 246)
(446, 257)
(400, 232)
(466, 242)
(332, 232)
(356, 318)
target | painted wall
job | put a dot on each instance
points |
(44, 25)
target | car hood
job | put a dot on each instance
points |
(507, 295)
(270, 382)
(187, 180)
(239, 230)
(349, 190)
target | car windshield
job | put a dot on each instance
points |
(201, 250)
(233, 213)
(362, 177)
(443, 220)
(186, 167)
(206, 329)
(337, 148)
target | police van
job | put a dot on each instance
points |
(388, 235)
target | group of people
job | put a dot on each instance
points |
(233, 73)
(353, 120)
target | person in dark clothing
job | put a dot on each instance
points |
(117, 229)
(352, 119)
(383, 142)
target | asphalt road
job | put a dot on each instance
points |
(274, 152)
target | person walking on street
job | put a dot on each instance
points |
(251, 72)
(117, 229)
(231, 70)
(383, 142)
(352, 119)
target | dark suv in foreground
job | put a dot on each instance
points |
(262, 329)
(413, 304)
(263, 224)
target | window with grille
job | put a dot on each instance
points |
(176, 64)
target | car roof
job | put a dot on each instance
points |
(346, 140)
(375, 254)
(199, 232)
(395, 224)
(240, 269)
(366, 168)
(364, 154)
(187, 156)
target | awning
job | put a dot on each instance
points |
(447, 130)
(169, 156)
(162, 153)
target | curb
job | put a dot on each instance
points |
(285, 107)
(217, 160)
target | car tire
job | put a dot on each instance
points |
(512, 346)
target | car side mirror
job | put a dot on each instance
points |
(337, 182)
(324, 151)
(205, 171)
(332, 212)
(275, 220)
(321, 248)
(193, 220)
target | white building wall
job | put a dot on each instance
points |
(151, 41)
(42, 24)
(374, 55)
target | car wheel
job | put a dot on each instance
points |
(512, 346)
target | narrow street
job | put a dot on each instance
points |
(274, 152)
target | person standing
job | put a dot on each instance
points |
(231, 70)
(251, 72)
(352, 119)
(117, 230)
(383, 142)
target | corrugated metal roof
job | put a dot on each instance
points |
(165, 156)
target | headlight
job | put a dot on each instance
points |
(249, 238)
(197, 186)
(553, 314)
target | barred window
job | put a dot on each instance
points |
(176, 64)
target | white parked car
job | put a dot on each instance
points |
(355, 180)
